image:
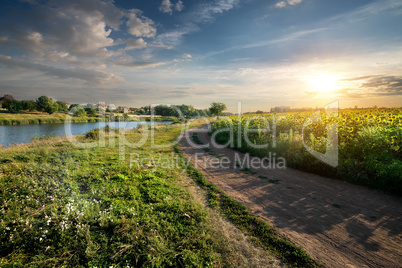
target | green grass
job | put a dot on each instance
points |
(25, 118)
(72, 207)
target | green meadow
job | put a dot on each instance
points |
(67, 206)
(35, 117)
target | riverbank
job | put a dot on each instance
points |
(7, 118)
(66, 205)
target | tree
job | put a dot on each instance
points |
(217, 108)
(90, 111)
(29, 105)
(72, 106)
(62, 107)
(46, 104)
(165, 110)
(80, 113)
(43, 102)
(13, 106)
(52, 107)
(146, 110)
(187, 111)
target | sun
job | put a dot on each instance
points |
(323, 83)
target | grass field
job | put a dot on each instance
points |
(7, 118)
(24, 118)
(62, 205)
(370, 143)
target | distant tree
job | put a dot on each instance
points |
(29, 105)
(62, 107)
(72, 106)
(203, 113)
(43, 102)
(90, 112)
(90, 106)
(165, 110)
(13, 106)
(217, 108)
(52, 107)
(146, 110)
(46, 104)
(80, 113)
(187, 111)
(259, 112)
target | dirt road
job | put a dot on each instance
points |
(339, 224)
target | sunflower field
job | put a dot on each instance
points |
(367, 142)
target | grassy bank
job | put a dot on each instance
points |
(370, 143)
(7, 118)
(61, 205)
(66, 206)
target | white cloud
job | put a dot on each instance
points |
(91, 76)
(172, 38)
(204, 13)
(166, 7)
(135, 44)
(76, 32)
(283, 4)
(294, 2)
(179, 6)
(140, 26)
(207, 12)
(280, 4)
(371, 9)
(130, 62)
(169, 7)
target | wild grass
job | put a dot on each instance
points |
(66, 206)
(25, 118)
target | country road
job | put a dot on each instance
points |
(339, 224)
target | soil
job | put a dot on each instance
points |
(339, 224)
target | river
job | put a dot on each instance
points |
(25, 133)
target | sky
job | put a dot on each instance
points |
(262, 53)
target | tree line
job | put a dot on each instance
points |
(186, 111)
(42, 104)
(48, 105)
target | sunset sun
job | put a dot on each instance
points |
(324, 83)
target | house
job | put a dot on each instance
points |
(5, 98)
(101, 106)
(111, 107)
(123, 110)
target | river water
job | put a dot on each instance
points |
(24, 133)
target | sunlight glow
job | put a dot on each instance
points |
(323, 83)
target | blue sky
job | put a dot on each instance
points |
(299, 53)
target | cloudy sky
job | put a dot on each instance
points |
(264, 53)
